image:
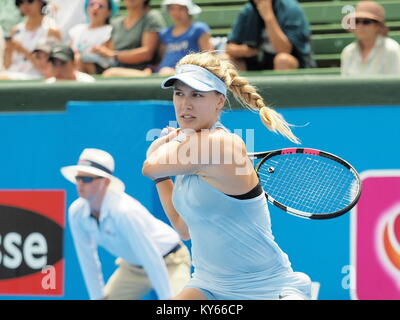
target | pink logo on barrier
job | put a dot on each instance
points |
(375, 237)
(388, 242)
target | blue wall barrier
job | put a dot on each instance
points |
(34, 146)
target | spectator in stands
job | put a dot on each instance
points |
(135, 40)
(67, 14)
(373, 52)
(184, 37)
(270, 34)
(41, 56)
(2, 45)
(64, 67)
(35, 29)
(95, 33)
(9, 16)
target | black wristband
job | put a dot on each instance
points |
(161, 179)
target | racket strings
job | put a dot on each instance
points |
(308, 183)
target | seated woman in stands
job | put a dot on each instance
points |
(97, 32)
(372, 52)
(134, 40)
(184, 37)
(34, 30)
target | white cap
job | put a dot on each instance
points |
(193, 9)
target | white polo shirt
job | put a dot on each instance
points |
(384, 58)
(126, 229)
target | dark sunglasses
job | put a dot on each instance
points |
(100, 5)
(19, 2)
(86, 179)
(365, 22)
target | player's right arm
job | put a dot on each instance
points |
(165, 189)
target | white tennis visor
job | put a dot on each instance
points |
(197, 78)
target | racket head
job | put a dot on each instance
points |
(308, 183)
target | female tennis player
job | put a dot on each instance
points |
(220, 205)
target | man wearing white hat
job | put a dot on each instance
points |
(150, 253)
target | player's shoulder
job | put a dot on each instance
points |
(221, 135)
(226, 142)
(216, 135)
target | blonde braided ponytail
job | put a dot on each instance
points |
(242, 90)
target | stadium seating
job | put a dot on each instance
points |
(295, 88)
(328, 37)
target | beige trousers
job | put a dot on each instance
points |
(130, 282)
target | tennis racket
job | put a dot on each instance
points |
(308, 183)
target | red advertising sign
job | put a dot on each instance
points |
(31, 242)
(375, 235)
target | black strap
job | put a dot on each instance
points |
(253, 193)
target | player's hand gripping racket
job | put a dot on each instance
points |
(307, 182)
